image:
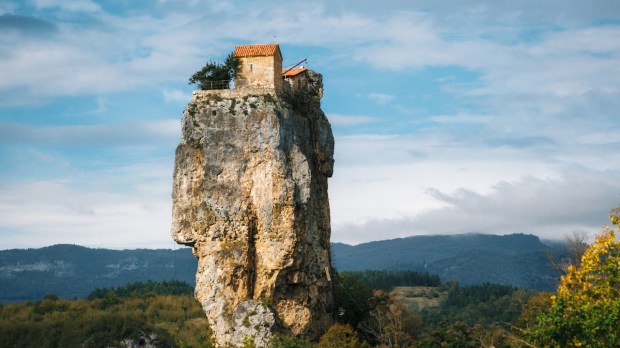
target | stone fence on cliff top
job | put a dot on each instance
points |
(236, 92)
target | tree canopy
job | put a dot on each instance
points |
(585, 311)
(216, 75)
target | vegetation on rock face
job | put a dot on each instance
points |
(216, 75)
(290, 342)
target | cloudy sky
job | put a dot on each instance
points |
(449, 116)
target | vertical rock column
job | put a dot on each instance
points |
(250, 197)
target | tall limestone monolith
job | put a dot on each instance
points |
(250, 197)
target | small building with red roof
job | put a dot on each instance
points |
(260, 66)
(295, 77)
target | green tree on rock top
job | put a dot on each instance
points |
(216, 75)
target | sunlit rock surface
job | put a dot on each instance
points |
(250, 197)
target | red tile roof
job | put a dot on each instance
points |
(257, 50)
(292, 72)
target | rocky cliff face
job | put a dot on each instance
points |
(250, 197)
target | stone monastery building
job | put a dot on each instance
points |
(260, 66)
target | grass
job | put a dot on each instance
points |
(420, 297)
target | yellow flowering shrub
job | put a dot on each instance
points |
(585, 311)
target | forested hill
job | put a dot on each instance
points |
(516, 259)
(71, 271)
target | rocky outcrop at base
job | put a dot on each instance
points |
(250, 197)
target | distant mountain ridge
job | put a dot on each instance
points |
(72, 271)
(515, 259)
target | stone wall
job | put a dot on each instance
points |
(296, 83)
(263, 71)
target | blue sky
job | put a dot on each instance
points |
(449, 116)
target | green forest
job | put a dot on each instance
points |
(72, 271)
(167, 315)
(162, 313)
(372, 309)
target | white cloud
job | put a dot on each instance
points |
(380, 98)
(462, 118)
(560, 65)
(350, 120)
(68, 70)
(382, 182)
(120, 207)
(546, 97)
(122, 53)
(8, 7)
(101, 106)
(68, 5)
(607, 137)
(111, 54)
(388, 176)
(549, 208)
(176, 96)
(137, 133)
